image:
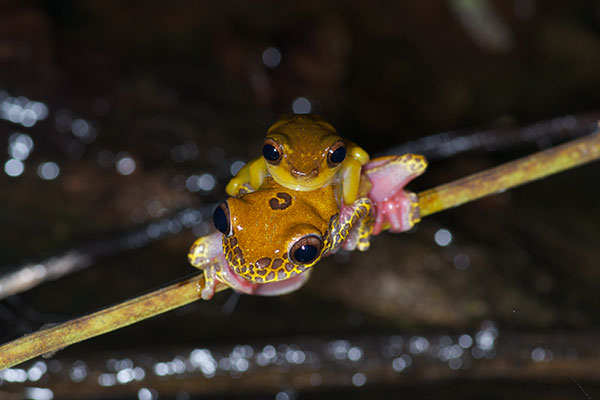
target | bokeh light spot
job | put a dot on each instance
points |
(48, 170)
(271, 57)
(301, 105)
(13, 167)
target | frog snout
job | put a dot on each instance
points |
(303, 175)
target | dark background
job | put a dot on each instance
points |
(181, 88)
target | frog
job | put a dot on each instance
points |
(303, 152)
(267, 241)
(252, 249)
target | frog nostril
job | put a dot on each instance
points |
(299, 174)
(296, 173)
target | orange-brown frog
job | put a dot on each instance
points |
(304, 153)
(267, 241)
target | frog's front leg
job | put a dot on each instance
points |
(252, 174)
(352, 228)
(350, 171)
(397, 209)
(207, 254)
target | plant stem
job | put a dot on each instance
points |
(109, 319)
(527, 169)
(498, 179)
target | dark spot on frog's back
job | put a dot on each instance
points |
(281, 201)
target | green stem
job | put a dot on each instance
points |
(107, 320)
(536, 166)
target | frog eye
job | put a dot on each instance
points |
(337, 154)
(221, 218)
(271, 151)
(306, 250)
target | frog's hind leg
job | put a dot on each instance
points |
(396, 209)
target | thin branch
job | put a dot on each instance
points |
(107, 320)
(536, 166)
(506, 176)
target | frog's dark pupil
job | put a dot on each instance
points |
(220, 220)
(306, 253)
(338, 155)
(270, 152)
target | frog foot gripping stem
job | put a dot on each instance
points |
(396, 209)
(354, 226)
(207, 254)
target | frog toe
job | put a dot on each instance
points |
(397, 213)
(396, 209)
(389, 175)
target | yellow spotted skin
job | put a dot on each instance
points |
(355, 226)
(305, 142)
(266, 223)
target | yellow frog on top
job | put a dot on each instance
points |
(267, 241)
(304, 153)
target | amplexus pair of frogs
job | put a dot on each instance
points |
(311, 193)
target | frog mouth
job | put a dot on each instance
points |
(276, 288)
(296, 173)
(282, 287)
